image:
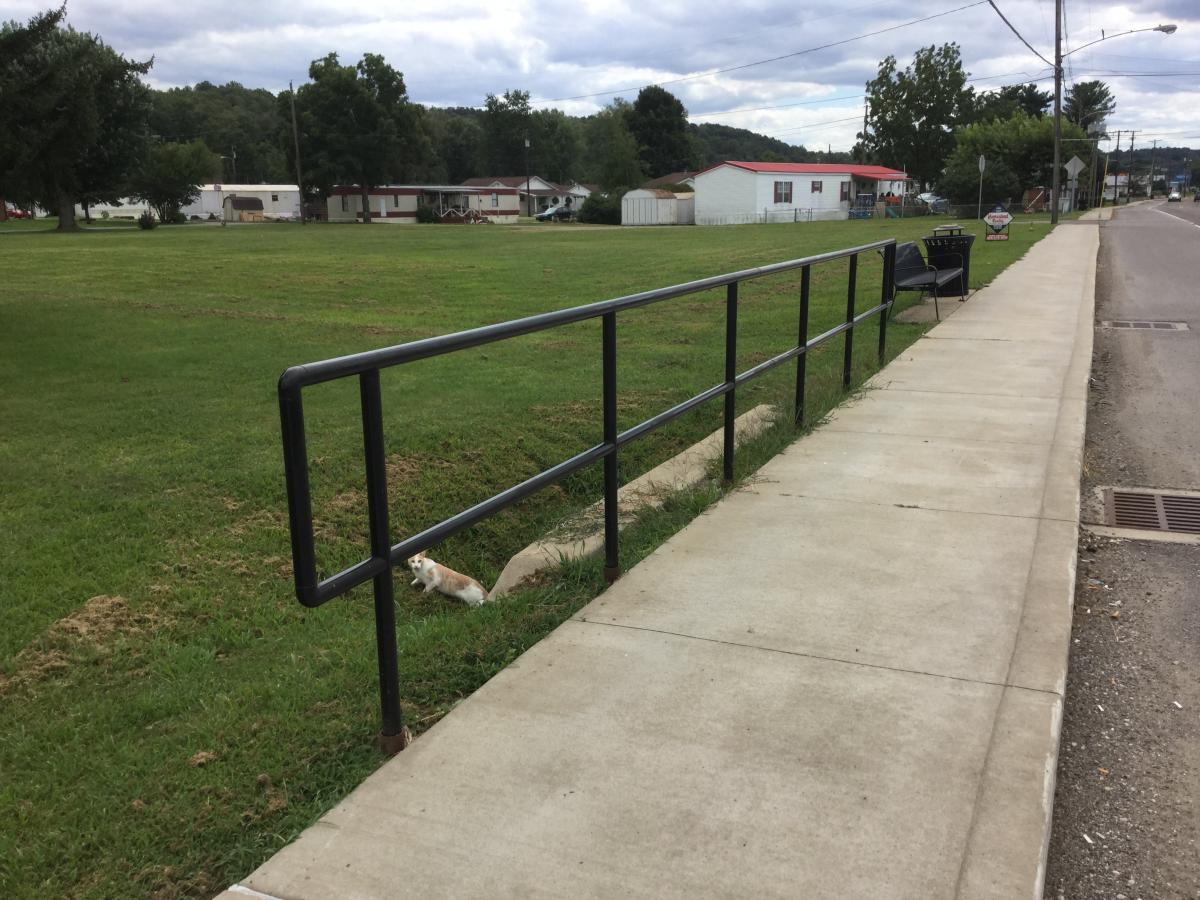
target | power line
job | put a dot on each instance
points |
(762, 62)
(726, 112)
(1012, 28)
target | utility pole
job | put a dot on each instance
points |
(528, 193)
(1150, 187)
(1056, 182)
(1116, 173)
(1129, 174)
(296, 138)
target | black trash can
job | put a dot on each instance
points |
(950, 252)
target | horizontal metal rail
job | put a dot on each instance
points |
(312, 591)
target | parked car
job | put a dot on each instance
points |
(556, 214)
(14, 213)
(1174, 197)
(935, 203)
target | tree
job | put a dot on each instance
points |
(507, 123)
(555, 149)
(18, 45)
(658, 122)
(1088, 103)
(1019, 152)
(457, 143)
(912, 113)
(612, 158)
(74, 114)
(1010, 99)
(171, 176)
(358, 126)
(245, 126)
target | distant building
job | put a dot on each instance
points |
(1116, 185)
(537, 194)
(733, 192)
(397, 203)
(651, 206)
(279, 201)
(685, 178)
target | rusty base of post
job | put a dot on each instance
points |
(391, 744)
(611, 573)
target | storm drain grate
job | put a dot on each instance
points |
(1152, 510)
(1145, 324)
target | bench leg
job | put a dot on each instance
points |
(936, 312)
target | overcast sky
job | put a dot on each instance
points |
(455, 52)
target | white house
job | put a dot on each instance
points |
(732, 192)
(279, 201)
(536, 193)
(397, 203)
(1116, 185)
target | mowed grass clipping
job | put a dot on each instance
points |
(169, 715)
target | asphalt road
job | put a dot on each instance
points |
(1127, 806)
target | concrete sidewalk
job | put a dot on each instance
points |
(843, 681)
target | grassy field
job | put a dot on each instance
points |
(169, 715)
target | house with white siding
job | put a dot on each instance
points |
(279, 201)
(397, 203)
(733, 192)
(536, 194)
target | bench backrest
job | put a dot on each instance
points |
(908, 256)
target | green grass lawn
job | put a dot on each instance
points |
(144, 562)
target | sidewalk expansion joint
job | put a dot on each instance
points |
(832, 426)
(908, 390)
(819, 657)
(942, 509)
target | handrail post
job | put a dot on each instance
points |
(300, 522)
(612, 560)
(848, 354)
(885, 299)
(731, 305)
(393, 736)
(802, 341)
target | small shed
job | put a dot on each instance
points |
(649, 206)
(243, 209)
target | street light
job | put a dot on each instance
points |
(1059, 56)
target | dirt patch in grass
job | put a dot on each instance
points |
(93, 625)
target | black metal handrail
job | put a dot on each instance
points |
(311, 591)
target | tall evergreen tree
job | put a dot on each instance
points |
(658, 122)
(1088, 103)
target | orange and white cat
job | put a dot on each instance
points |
(437, 577)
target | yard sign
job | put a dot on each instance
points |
(997, 220)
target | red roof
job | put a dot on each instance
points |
(879, 173)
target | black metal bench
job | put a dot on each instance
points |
(914, 274)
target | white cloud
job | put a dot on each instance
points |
(454, 52)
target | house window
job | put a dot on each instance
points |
(783, 192)
(816, 187)
(845, 191)
(495, 200)
(395, 201)
(345, 203)
(274, 198)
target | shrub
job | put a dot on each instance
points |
(602, 209)
(426, 215)
(147, 221)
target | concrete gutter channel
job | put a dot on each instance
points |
(845, 680)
